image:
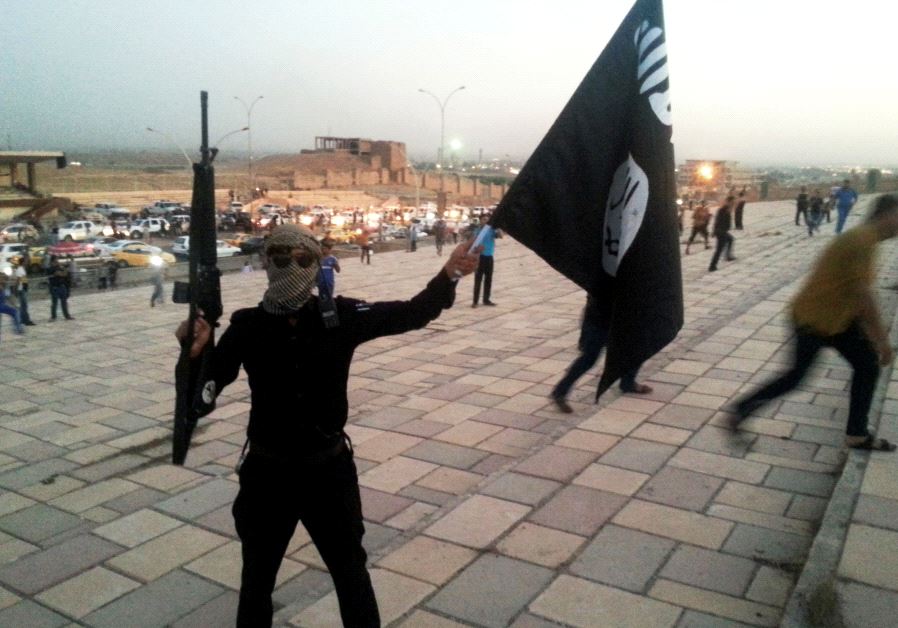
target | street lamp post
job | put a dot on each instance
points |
(249, 140)
(171, 141)
(442, 105)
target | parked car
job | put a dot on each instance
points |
(18, 232)
(254, 244)
(99, 245)
(181, 219)
(119, 244)
(12, 251)
(80, 230)
(109, 209)
(235, 206)
(235, 221)
(143, 227)
(140, 254)
(181, 248)
(161, 208)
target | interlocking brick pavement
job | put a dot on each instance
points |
(484, 505)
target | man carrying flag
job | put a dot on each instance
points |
(604, 173)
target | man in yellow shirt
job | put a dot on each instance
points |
(836, 308)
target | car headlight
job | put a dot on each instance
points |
(157, 261)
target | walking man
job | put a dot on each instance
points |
(364, 242)
(836, 308)
(6, 307)
(20, 289)
(740, 210)
(801, 206)
(700, 219)
(722, 223)
(593, 338)
(439, 234)
(846, 197)
(158, 289)
(484, 274)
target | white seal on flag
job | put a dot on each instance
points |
(652, 71)
(628, 198)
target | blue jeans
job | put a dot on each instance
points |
(24, 316)
(843, 215)
(6, 308)
(593, 339)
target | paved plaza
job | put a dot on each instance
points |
(484, 505)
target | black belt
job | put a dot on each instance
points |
(316, 457)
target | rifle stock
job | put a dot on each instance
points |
(195, 389)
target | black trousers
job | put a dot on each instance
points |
(702, 231)
(724, 241)
(737, 215)
(484, 275)
(856, 347)
(801, 211)
(325, 496)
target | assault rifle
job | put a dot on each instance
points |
(195, 389)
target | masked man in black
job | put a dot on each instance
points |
(299, 465)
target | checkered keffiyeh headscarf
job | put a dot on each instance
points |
(290, 286)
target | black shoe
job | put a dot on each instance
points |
(562, 405)
(30, 323)
(490, 303)
(742, 410)
(473, 305)
(70, 318)
(712, 269)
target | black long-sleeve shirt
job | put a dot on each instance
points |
(298, 373)
(722, 221)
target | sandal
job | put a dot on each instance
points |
(872, 443)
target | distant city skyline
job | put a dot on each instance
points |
(762, 83)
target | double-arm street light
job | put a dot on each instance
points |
(171, 141)
(442, 105)
(249, 140)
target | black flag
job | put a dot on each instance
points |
(597, 199)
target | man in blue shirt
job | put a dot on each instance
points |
(329, 265)
(484, 272)
(845, 200)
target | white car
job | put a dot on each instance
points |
(141, 228)
(80, 230)
(181, 247)
(11, 250)
(160, 208)
(99, 245)
(18, 233)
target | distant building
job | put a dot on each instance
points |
(340, 162)
(714, 176)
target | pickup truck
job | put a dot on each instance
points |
(141, 228)
(160, 208)
(80, 230)
(109, 209)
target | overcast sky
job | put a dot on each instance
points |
(760, 81)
